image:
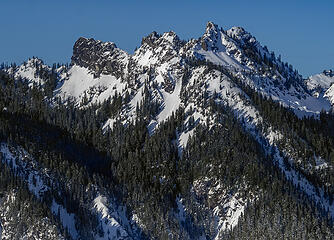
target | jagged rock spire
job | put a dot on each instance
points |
(98, 56)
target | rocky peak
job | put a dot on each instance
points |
(87, 50)
(34, 61)
(99, 57)
(157, 49)
(236, 32)
(214, 35)
(168, 39)
(171, 37)
(210, 37)
(241, 35)
(150, 39)
(211, 27)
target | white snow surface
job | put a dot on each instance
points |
(67, 219)
(81, 83)
(219, 58)
(113, 219)
(330, 94)
(181, 210)
(171, 102)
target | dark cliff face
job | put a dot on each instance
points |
(99, 57)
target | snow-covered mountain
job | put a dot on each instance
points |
(99, 70)
(320, 82)
(167, 75)
(320, 85)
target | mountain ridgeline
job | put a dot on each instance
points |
(211, 138)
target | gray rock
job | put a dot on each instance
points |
(99, 57)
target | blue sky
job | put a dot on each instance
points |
(301, 31)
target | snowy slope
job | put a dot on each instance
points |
(320, 82)
(238, 51)
(320, 86)
(110, 219)
(31, 71)
(81, 85)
